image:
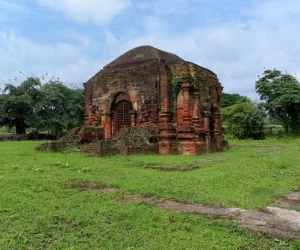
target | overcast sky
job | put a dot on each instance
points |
(74, 39)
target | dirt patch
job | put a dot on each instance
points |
(136, 198)
(271, 149)
(275, 221)
(291, 201)
(267, 149)
(192, 166)
(93, 187)
(174, 168)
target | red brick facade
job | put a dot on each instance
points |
(137, 90)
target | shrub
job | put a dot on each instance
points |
(244, 120)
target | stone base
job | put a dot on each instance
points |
(187, 148)
(201, 147)
(167, 147)
(167, 139)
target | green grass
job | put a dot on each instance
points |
(40, 210)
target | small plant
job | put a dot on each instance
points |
(193, 76)
(175, 86)
(62, 165)
(86, 169)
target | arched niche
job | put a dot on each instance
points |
(122, 113)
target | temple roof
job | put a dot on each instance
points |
(144, 53)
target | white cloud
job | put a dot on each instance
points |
(97, 11)
(59, 59)
(12, 10)
(12, 6)
(167, 7)
(265, 36)
(235, 39)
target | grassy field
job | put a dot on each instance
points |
(39, 209)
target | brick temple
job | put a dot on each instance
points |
(150, 87)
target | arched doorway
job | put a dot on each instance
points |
(122, 116)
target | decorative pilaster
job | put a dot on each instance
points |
(87, 115)
(196, 111)
(108, 126)
(167, 132)
(186, 133)
(217, 117)
(197, 123)
(132, 118)
(206, 124)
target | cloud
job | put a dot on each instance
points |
(96, 11)
(167, 7)
(238, 49)
(235, 39)
(12, 10)
(60, 59)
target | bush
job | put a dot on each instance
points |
(244, 121)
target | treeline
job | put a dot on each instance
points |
(51, 106)
(55, 108)
(280, 104)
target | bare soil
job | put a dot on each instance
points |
(271, 149)
(280, 220)
(195, 165)
(291, 201)
(275, 221)
(93, 187)
(267, 149)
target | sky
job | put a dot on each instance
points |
(74, 39)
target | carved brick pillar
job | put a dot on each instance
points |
(197, 122)
(87, 115)
(132, 118)
(217, 121)
(207, 129)
(97, 118)
(92, 117)
(218, 127)
(186, 133)
(102, 120)
(196, 111)
(167, 132)
(108, 126)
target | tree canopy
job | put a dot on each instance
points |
(281, 95)
(61, 107)
(51, 106)
(231, 99)
(19, 105)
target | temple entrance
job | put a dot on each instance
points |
(122, 115)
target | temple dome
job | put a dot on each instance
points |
(144, 53)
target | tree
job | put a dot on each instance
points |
(62, 107)
(281, 95)
(52, 106)
(231, 99)
(19, 105)
(244, 120)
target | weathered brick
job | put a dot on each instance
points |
(143, 79)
